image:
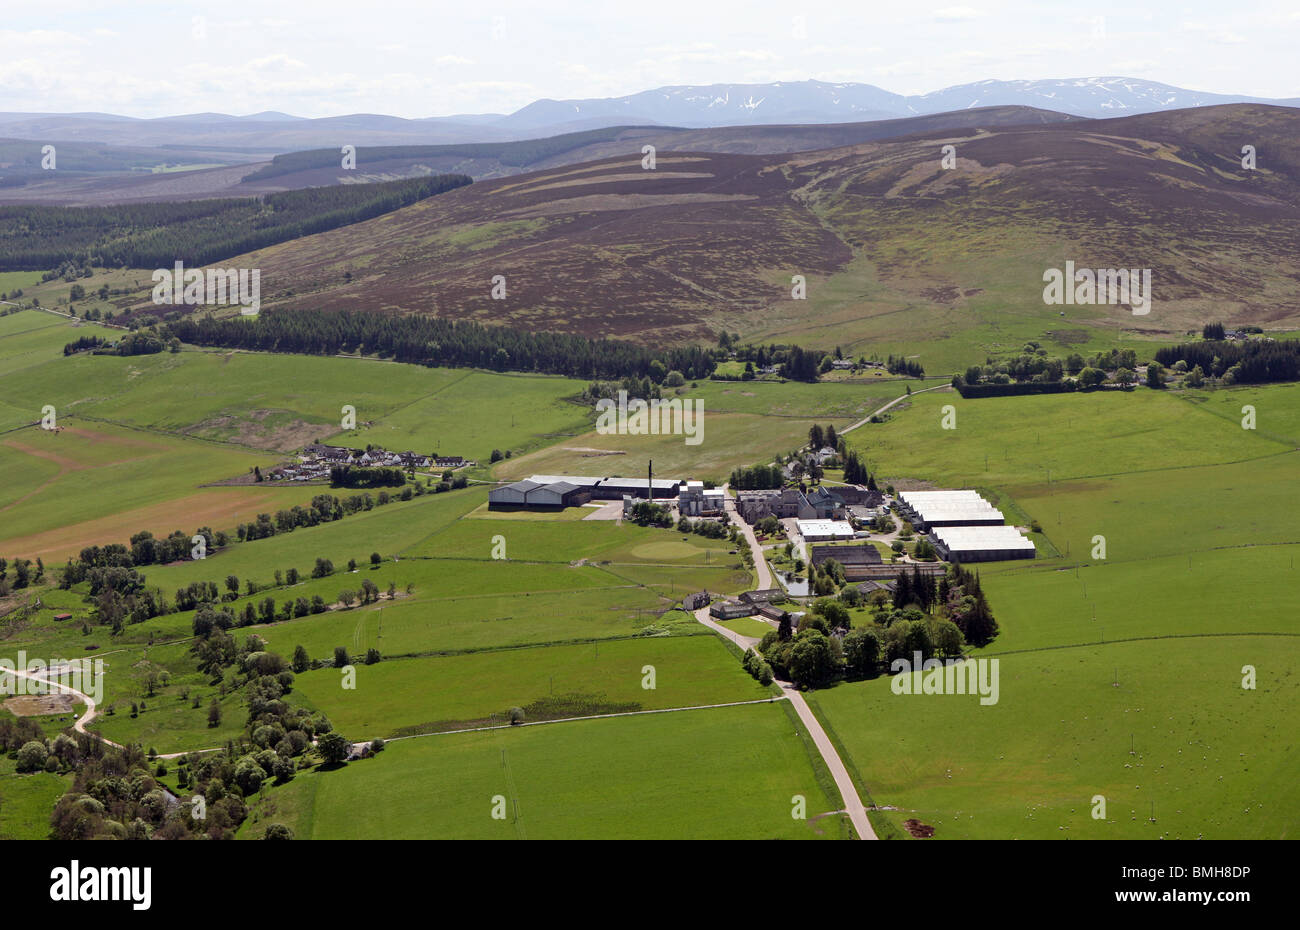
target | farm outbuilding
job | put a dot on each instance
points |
(731, 610)
(981, 543)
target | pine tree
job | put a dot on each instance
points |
(902, 590)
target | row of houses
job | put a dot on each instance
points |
(376, 456)
(316, 460)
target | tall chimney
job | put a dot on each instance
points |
(650, 480)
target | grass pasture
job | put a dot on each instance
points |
(1214, 759)
(26, 802)
(1198, 517)
(452, 692)
(727, 772)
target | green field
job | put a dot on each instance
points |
(1216, 760)
(1199, 522)
(26, 802)
(705, 774)
(453, 692)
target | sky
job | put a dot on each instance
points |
(326, 58)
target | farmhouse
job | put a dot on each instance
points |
(981, 543)
(697, 600)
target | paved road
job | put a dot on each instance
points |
(852, 803)
(880, 410)
(760, 563)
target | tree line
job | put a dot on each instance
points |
(432, 342)
(1253, 361)
(199, 232)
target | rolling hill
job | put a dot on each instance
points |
(116, 179)
(900, 254)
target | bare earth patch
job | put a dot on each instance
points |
(918, 829)
(38, 705)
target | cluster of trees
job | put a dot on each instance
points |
(356, 476)
(644, 388)
(757, 478)
(1250, 362)
(757, 666)
(145, 549)
(431, 341)
(811, 656)
(936, 617)
(26, 573)
(709, 529)
(801, 364)
(647, 513)
(899, 365)
(855, 470)
(116, 793)
(84, 343)
(324, 508)
(196, 232)
(819, 437)
(133, 343)
(1035, 372)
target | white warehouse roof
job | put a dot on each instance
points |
(982, 539)
(950, 506)
(833, 528)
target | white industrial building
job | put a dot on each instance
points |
(824, 530)
(981, 543)
(695, 500)
(926, 509)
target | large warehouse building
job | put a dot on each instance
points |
(553, 491)
(927, 509)
(981, 543)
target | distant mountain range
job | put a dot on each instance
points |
(820, 102)
(691, 106)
